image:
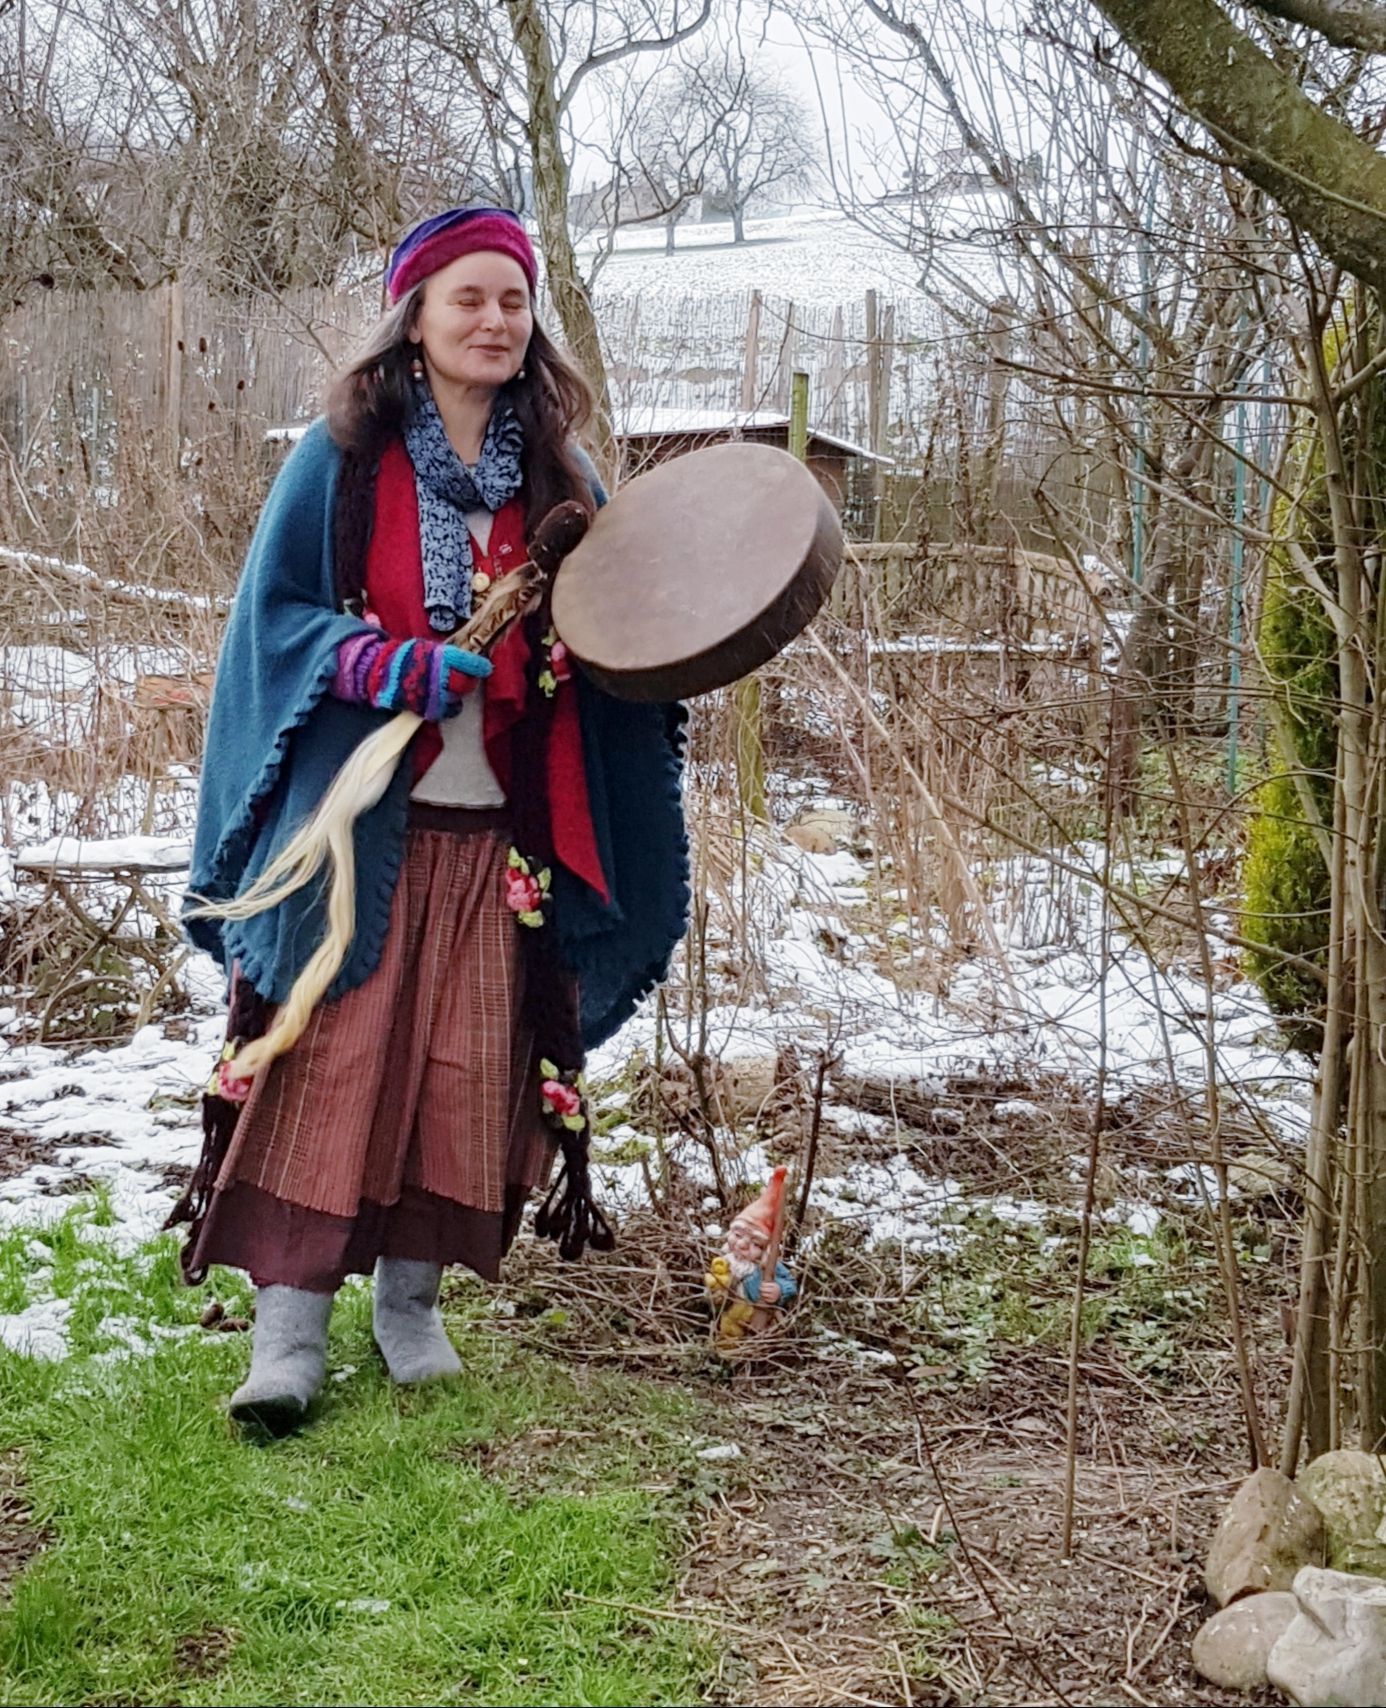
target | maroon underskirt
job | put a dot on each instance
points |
(280, 1244)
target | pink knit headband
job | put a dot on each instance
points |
(461, 231)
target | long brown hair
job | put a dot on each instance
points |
(370, 399)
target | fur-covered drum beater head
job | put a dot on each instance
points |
(522, 589)
(560, 531)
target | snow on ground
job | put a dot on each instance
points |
(819, 925)
(119, 1118)
(48, 689)
(38, 1331)
(1052, 1011)
(812, 256)
(818, 939)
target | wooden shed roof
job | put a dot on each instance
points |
(656, 421)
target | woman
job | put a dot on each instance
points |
(520, 885)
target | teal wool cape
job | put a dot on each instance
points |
(276, 738)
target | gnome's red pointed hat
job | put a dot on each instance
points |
(765, 1210)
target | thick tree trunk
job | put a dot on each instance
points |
(1323, 175)
(738, 225)
(569, 293)
(1346, 23)
(1338, 1386)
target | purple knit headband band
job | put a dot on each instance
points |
(433, 243)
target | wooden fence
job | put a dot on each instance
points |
(196, 378)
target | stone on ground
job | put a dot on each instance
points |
(739, 1088)
(1333, 1654)
(822, 830)
(1349, 1489)
(1231, 1648)
(1267, 1533)
(1259, 1175)
(746, 1084)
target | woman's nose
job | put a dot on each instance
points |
(491, 315)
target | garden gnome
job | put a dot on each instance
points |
(746, 1280)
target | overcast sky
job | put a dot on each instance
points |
(768, 38)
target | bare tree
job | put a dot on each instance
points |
(1137, 286)
(57, 149)
(256, 142)
(663, 155)
(662, 131)
(1324, 170)
(763, 136)
(590, 38)
(250, 142)
(1208, 233)
(1329, 178)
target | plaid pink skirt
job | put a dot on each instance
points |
(406, 1121)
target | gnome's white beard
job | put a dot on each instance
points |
(740, 1267)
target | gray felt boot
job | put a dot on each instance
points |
(288, 1357)
(408, 1325)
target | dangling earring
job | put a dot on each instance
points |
(416, 368)
(520, 375)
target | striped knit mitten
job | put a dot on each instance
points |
(430, 678)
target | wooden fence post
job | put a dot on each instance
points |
(173, 371)
(746, 706)
(751, 364)
(835, 415)
(784, 378)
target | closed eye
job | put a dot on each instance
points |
(512, 302)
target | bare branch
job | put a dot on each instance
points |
(632, 45)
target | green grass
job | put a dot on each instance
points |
(371, 1558)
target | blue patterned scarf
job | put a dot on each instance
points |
(447, 490)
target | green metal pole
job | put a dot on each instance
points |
(1263, 493)
(798, 415)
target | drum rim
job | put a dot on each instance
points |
(805, 548)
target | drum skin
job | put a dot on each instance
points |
(698, 572)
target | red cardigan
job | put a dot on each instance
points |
(395, 601)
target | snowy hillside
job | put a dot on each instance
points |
(676, 326)
(811, 256)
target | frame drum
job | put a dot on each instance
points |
(698, 572)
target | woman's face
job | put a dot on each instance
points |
(475, 320)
